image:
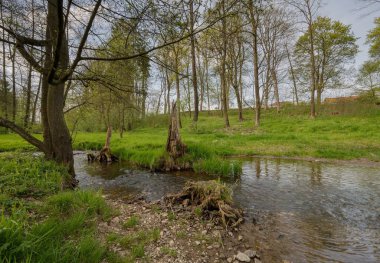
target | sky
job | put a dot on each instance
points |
(361, 21)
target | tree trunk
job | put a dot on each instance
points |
(319, 97)
(178, 91)
(168, 84)
(207, 83)
(293, 75)
(313, 67)
(188, 91)
(34, 113)
(4, 77)
(174, 145)
(58, 139)
(275, 85)
(223, 73)
(28, 99)
(254, 24)
(14, 100)
(193, 63)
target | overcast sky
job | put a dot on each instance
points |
(361, 21)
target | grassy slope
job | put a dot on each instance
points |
(289, 133)
(353, 134)
(39, 222)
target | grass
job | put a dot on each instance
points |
(347, 131)
(132, 222)
(135, 242)
(353, 133)
(41, 223)
(168, 251)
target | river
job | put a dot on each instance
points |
(306, 211)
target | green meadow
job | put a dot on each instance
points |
(343, 132)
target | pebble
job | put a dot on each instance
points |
(197, 243)
(257, 260)
(250, 253)
(240, 238)
(171, 243)
(242, 257)
(229, 260)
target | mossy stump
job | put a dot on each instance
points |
(211, 200)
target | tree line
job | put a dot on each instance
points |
(112, 62)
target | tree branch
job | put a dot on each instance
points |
(23, 133)
(25, 40)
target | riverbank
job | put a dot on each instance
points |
(42, 223)
(353, 134)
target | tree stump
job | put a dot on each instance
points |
(211, 199)
(174, 146)
(105, 155)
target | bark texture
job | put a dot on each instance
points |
(174, 146)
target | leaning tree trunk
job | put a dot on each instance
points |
(174, 146)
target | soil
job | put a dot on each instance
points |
(184, 236)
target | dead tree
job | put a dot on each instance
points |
(105, 155)
(174, 146)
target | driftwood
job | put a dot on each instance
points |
(174, 146)
(211, 199)
(105, 155)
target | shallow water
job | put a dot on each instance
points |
(320, 212)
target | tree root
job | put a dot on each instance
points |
(210, 199)
(104, 156)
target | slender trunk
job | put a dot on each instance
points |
(201, 81)
(223, 73)
(319, 97)
(28, 99)
(4, 77)
(159, 99)
(168, 84)
(254, 24)
(188, 90)
(178, 91)
(312, 68)
(165, 90)
(14, 99)
(193, 62)
(207, 83)
(293, 75)
(275, 87)
(266, 88)
(143, 99)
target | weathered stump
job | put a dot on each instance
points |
(174, 146)
(211, 199)
(105, 155)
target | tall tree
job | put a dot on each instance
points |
(193, 61)
(334, 47)
(308, 10)
(254, 21)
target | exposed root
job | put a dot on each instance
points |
(210, 199)
(105, 155)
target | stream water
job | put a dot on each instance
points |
(310, 211)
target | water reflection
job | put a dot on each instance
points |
(326, 212)
(322, 212)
